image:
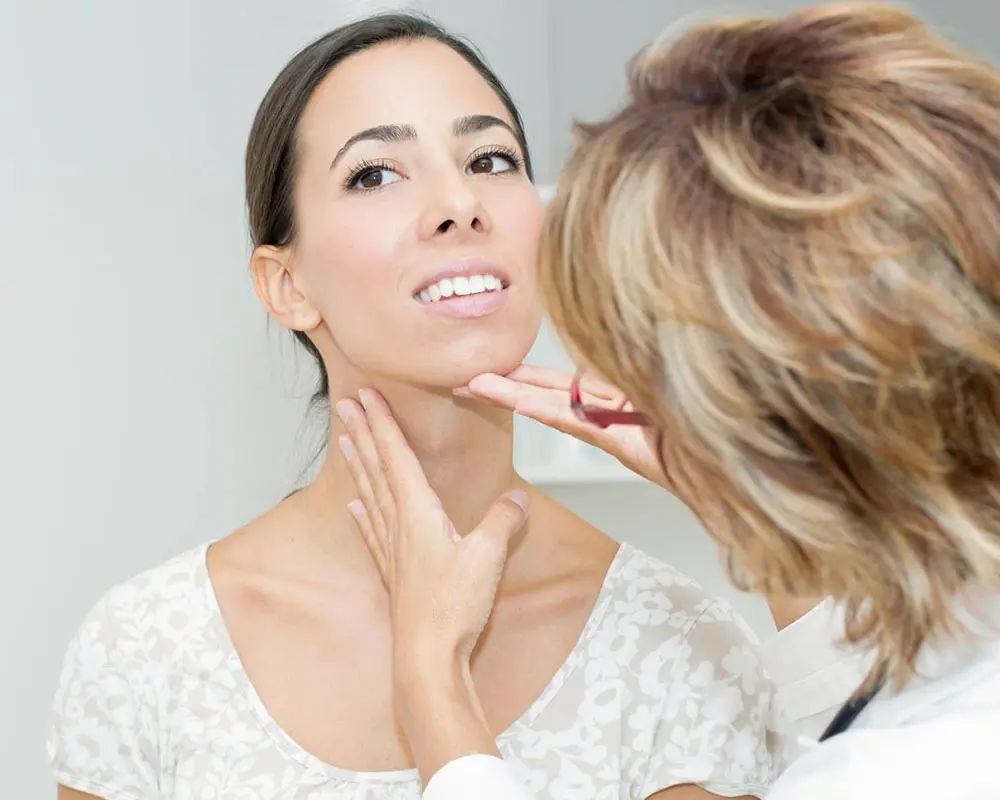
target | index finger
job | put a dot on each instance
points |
(402, 469)
(547, 378)
(533, 384)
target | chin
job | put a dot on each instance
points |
(463, 362)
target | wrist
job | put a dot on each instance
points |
(439, 711)
(426, 682)
(418, 667)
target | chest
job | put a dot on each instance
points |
(337, 739)
(320, 675)
(221, 742)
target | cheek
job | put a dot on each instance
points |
(345, 257)
(519, 222)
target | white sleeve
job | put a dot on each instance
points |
(480, 776)
(814, 676)
(102, 739)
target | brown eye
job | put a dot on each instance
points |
(374, 178)
(491, 163)
(371, 180)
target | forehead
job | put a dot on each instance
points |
(421, 83)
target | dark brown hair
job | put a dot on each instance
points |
(271, 148)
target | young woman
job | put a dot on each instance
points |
(785, 250)
(396, 227)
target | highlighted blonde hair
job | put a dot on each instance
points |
(786, 249)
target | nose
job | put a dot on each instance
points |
(453, 208)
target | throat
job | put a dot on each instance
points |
(465, 451)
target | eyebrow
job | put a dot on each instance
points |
(463, 126)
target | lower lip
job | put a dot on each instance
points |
(468, 306)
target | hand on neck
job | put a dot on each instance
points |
(464, 446)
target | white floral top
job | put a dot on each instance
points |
(663, 688)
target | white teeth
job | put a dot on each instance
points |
(461, 286)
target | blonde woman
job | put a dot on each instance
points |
(785, 251)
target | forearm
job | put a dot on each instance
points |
(440, 714)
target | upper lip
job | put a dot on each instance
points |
(464, 267)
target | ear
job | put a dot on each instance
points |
(276, 288)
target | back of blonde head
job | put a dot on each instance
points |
(786, 249)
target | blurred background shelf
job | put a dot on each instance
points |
(577, 474)
(545, 457)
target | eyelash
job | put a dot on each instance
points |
(365, 167)
(495, 150)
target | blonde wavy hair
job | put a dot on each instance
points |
(786, 249)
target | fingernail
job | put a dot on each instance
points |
(519, 498)
(462, 391)
(346, 447)
(365, 397)
(356, 509)
(343, 409)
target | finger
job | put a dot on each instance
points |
(376, 545)
(402, 469)
(376, 519)
(491, 538)
(366, 465)
(547, 406)
(547, 378)
(508, 390)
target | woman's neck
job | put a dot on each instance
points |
(464, 447)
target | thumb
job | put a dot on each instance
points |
(503, 519)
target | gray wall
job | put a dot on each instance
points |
(146, 404)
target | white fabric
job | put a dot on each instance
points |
(814, 675)
(480, 776)
(935, 740)
(664, 687)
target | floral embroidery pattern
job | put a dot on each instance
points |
(663, 688)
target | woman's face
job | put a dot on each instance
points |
(417, 226)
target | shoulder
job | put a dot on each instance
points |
(679, 632)
(692, 655)
(173, 581)
(136, 617)
(104, 735)
(664, 602)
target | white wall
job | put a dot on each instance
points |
(146, 404)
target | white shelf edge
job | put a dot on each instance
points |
(556, 475)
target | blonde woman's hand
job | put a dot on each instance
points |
(441, 585)
(543, 395)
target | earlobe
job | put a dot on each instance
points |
(277, 291)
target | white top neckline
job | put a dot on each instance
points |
(297, 752)
(663, 688)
